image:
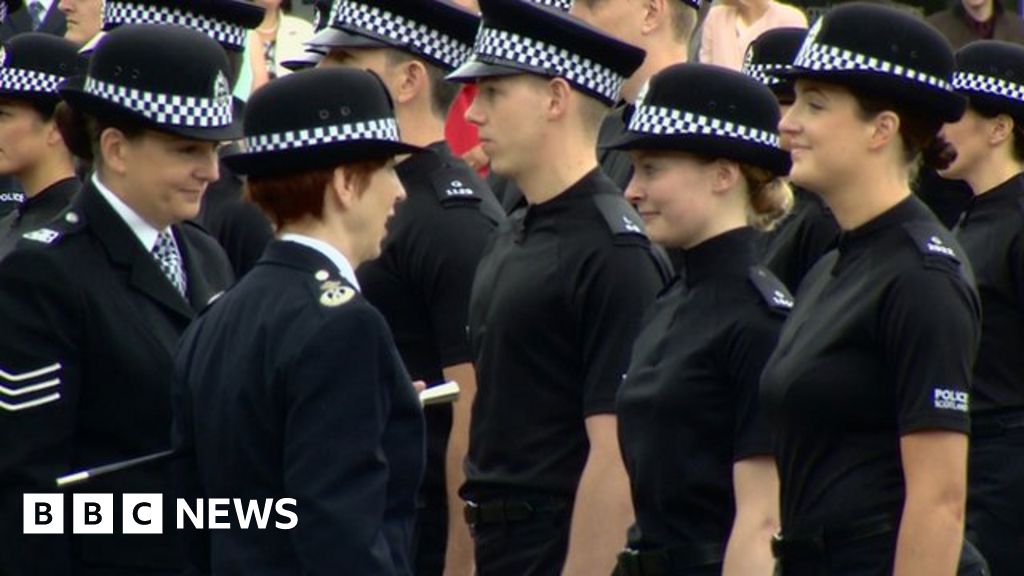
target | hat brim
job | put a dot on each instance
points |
(331, 37)
(993, 103)
(772, 159)
(944, 105)
(308, 60)
(72, 91)
(475, 69)
(308, 158)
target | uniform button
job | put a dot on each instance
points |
(322, 275)
(71, 218)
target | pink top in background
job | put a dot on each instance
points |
(723, 41)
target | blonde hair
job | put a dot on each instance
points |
(771, 197)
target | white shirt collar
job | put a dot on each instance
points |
(332, 253)
(146, 233)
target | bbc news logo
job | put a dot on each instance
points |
(144, 514)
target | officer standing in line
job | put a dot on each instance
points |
(94, 303)
(31, 67)
(696, 445)
(868, 390)
(557, 299)
(290, 386)
(422, 280)
(796, 243)
(989, 141)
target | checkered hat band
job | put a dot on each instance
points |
(583, 72)
(763, 73)
(560, 4)
(166, 109)
(359, 17)
(21, 80)
(663, 121)
(382, 129)
(119, 13)
(971, 82)
(825, 58)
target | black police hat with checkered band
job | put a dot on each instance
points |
(731, 116)
(226, 21)
(883, 52)
(169, 78)
(438, 31)
(991, 74)
(518, 37)
(316, 119)
(313, 54)
(33, 64)
(773, 52)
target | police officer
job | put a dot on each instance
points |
(556, 301)
(869, 386)
(422, 280)
(290, 385)
(31, 67)
(94, 303)
(695, 444)
(792, 246)
(989, 142)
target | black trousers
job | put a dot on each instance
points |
(431, 537)
(995, 504)
(533, 547)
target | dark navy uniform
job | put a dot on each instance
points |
(992, 234)
(421, 283)
(557, 300)
(792, 248)
(863, 360)
(291, 386)
(35, 212)
(688, 408)
(90, 315)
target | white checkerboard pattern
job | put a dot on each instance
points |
(512, 47)
(116, 13)
(21, 80)
(971, 82)
(662, 121)
(166, 109)
(359, 17)
(563, 5)
(385, 129)
(763, 73)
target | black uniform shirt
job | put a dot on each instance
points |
(880, 344)
(791, 249)
(290, 386)
(557, 300)
(616, 164)
(688, 406)
(35, 212)
(992, 234)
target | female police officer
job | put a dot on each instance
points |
(868, 387)
(694, 443)
(290, 385)
(31, 147)
(93, 304)
(989, 141)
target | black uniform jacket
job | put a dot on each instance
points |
(90, 324)
(35, 212)
(290, 386)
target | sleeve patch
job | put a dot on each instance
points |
(771, 289)
(29, 389)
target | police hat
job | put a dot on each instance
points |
(316, 119)
(170, 78)
(772, 52)
(884, 52)
(522, 38)
(226, 21)
(731, 116)
(33, 64)
(313, 54)
(991, 74)
(438, 31)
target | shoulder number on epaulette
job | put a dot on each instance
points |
(622, 219)
(932, 240)
(771, 289)
(44, 235)
(452, 189)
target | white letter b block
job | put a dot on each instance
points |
(93, 514)
(43, 513)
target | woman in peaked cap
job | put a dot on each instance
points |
(707, 172)
(291, 385)
(989, 141)
(94, 303)
(33, 151)
(869, 387)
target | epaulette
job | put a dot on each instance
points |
(453, 188)
(66, 224)
(623, 221)
(771, 289)
(333, 292)
(934, 243)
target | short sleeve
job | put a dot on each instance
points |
(751, 343)
(930, 329)
(612, 292)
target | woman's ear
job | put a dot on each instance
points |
(1000, 129)
(114, 150)
(341, 188)
(884, 129)
(725, 175)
